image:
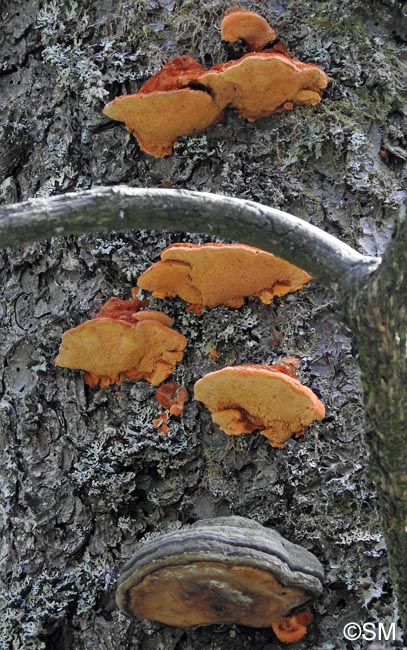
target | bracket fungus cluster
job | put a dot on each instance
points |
(248, 398)
(223, 570)
(122, 342)
(125, 341)
(184, 98)
(220, 274)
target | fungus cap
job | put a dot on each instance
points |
(224, 570)
(121, 309)
(111, 350)
(247, 398)
(164, 108)
(247, 26)
(221, 274)
(262, 83)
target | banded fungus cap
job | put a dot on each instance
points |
(110, 349)
(262, 83)
(165, 108)
(223, 570)
(221, 274)
(247, 26)
(243, 399)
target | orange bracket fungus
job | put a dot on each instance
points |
(166, 107)
(247, 398)
(220, 274)
(247, 26)
(185, 98)
(224, 570)
(127, 344)
(262, 83)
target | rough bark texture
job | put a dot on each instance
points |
(380, 323)
(84, 475)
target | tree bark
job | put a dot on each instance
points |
(373, 296)
(84, 476)
(378, 318)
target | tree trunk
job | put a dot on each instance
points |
(84, 476)
(379, 320)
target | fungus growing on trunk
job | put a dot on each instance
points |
(172, 396)
(165, 107)
(224, 570)
(120, 343)
(247, 26)
(121, 309)
(248, 398)
(220, 274)
(262, 83)
(292, 628)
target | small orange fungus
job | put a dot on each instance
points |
(213, 354)
(292, 628)
(247, 26)
(172, 396)
(160, 423)
(121, 309)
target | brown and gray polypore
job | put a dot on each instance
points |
(223, 570)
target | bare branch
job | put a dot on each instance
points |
(104, 209)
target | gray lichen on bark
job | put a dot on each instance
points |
(84, 475)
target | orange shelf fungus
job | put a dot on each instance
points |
(247, 26)
(126, 345)
(184, 98)
(262, 83)
(220, 274)
(248, 398)
(292, 628)
(165, 108)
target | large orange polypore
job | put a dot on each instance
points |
(164, 108)
(262, 83)
(247, 26)
(221, 274)
(246, 398)
(111, 350)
